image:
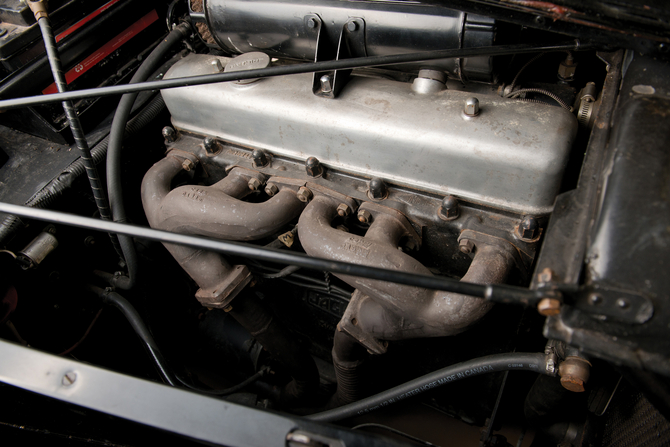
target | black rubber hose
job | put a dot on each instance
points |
(116, 136)
(493, 363)
(58, 185)
(75, 124)
(133, 317)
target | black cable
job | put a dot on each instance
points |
(470, 368)
(63, 181)
(75, 124)
(493, 292)
(116, 137)
(526, 65)
(135, 320)
(282, 70)
(233, 389)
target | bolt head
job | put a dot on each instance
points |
(595, 299)
(216, 63)
(352, 26)
(378, 190)
(271, 189)
(254, 184)
(471, 107)
(313, 167)
(311, 23)
(187, 165)
(326, 84)
(545, 276)
(69, 378)
(343, 210)
(549, 306)
(304, 194)
(169, 134)
(260, 158)
(622, 303)
(529, 229)
(364, 216)
(466, 246)
(449, 210)
(212, 147)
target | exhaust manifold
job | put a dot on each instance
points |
(382, 310)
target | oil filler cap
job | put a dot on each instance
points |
(247, 61)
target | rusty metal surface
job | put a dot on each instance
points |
(391, 311)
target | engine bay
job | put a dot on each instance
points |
(306, 209)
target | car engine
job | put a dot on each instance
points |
(433, 223)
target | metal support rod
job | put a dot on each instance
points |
(496, 293)
(282, 70)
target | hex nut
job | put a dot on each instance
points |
(169, 134)
(260, 158)
(471, 107)
(364, 216)
(528, 229)
(304, 194)
(313, 167)
(254, 184)
(352, 26)
(575, 372)
(187, 165)
(326, 84)
(311, 23)
(549, 307)
(343, 210)
(271, 189)
(466, 246)
(212, 147)
(378, 189)
(567, 69)
(449, 209)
